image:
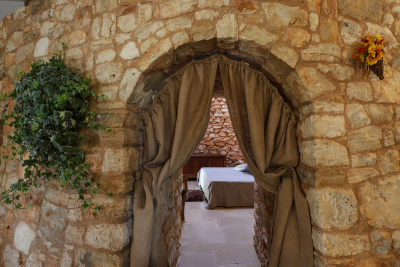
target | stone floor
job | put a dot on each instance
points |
(218, 237)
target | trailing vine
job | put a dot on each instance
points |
(51, 105)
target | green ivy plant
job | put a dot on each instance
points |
(51, 105)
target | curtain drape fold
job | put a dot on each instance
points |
(174, 125)
(264, 127)
(176, 122)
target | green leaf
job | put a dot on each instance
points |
(97, 208)
(51, 105)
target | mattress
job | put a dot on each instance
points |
(226, 187)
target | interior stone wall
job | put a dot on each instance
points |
(171, 195)
(348, 123)
(220, 137)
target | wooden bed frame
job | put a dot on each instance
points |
(193, 166)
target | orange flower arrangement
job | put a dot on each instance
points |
(368, 54)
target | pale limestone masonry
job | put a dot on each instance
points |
(348, 126)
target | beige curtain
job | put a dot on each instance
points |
(264, 127)
(175, 123)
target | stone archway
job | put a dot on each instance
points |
(147, 87)
(303, 49)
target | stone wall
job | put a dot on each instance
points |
(264, 207)
(220, 137)
(348, 127)
(171, 195)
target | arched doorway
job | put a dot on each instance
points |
(174, 125)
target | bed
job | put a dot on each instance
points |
(226, 187)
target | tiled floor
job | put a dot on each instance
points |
(220, 237)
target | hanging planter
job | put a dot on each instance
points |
(368, 54)
(378, 69)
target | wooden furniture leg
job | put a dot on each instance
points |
(184, 191)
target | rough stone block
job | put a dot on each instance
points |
(361, 174)
(36, 259)
(362, 9)
(329, 30)
(68, 13)
(361, 91)
(389, 91)
(227, 28)
(389, 162)
(108, 236)
(397, 131)
(333, 208)
(309, 83)
(178, 24)
(127, 23)
(15, 41)
(350, 31)
(23, 238)
(77, 37)
(66, 260)
(296, 37)
(75, 215)
(323, 107)
(396, 240)
(161, 49)
(180, 38)
(381, 241)
(388, 136)
(73, 53)
(86, 258)
(128, 83)
(379, 202)
(260, 37)
(54, 215)
(105, 56)
(108, 25)
(102, 6)
(362, 160)
(109, 72)
(48, 235)
(340, 244)
(286, 54)
(74, 235)
(314, 21)
(56, 197)
(364, 139)
(322, 152)
(380, 113)
(357, 115)
(206, 14)
(328, 176)
(120, 160)
(323, 126)
(205, 31)
(129, 51)
(281, 16)
(24, 52)
(10, 257)
(42, 47)
(322, 52)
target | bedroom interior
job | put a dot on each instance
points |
(347, 133)
(221, 144)
(223, 230)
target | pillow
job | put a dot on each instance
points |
(247, 169)
(241, 167)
